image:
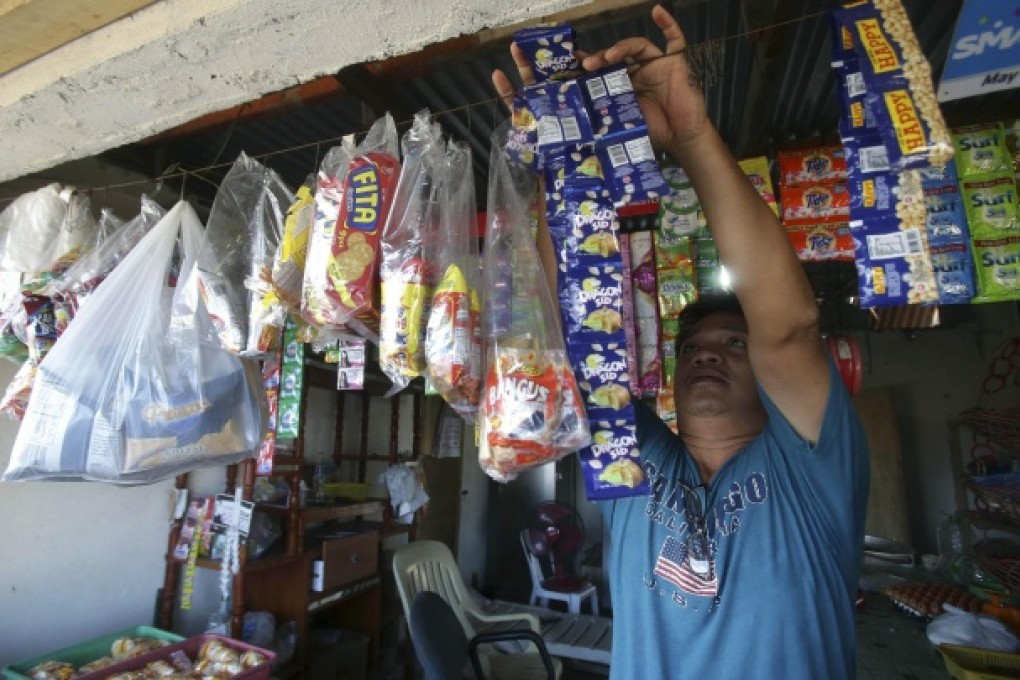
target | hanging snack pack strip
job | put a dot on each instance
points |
(289, 261)
(271, 368)
(291, 384)
(629, 322)
(648, 379)
(897, 78)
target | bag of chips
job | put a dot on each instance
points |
(453, 339)
(532, 411)
(407, 252)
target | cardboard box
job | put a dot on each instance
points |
(346, 558)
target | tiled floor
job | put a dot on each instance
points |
(891, 645)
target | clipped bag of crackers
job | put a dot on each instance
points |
(353, 195)
(453, 337)
(532, 411)
(407, 253)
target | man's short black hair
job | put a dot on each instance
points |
(706, 305)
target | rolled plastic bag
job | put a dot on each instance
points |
(116, 400)
(532, 411)
(958, 627)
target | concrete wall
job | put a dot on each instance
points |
(179, 59)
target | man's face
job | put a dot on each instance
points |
(713, 371)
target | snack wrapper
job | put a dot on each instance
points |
(562, 116)
(586, 229)
(888, 196)
(893, 265)
(897, 77)
(645, 284)
(612, 465)
(630, 350)
(631, 171)
(612, 101)
(550, 51)
(757, 171)
(680, 211)
(591, 304)
(522, 139)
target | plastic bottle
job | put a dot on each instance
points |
(953, 542)
(319, 480)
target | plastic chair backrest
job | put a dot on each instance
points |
(429, 566)
(438, 637)
(533, 564)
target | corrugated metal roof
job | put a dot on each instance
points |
(772, 87)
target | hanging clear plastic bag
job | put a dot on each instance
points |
(532, 412)
(453, 340)
(353, 194)
(73, 288)
(232, 268)
(407, 251)
(46, 230)
(115, 400)
(289, 261)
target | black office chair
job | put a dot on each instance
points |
(443, 648)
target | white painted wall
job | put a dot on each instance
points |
(176, 60)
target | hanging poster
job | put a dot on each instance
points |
(985, 53)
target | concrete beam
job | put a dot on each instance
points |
(176, 60)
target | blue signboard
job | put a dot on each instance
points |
(985, 53)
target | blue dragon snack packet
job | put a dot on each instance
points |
(612, 464)
(590, 229)
(613, 103)
(602, 375)
(550, 51)
(591, 302)
(561, 113)
(954, 272)
(522, 137)
(575, 166)
(631, 171)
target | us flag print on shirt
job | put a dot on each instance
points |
(674, 566)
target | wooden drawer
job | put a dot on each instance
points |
(349, 558)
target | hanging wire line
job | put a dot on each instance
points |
(700, 59)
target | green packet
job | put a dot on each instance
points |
(991, 205)
(981, 150)
(997, 265)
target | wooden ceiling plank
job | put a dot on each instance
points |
(32, 28)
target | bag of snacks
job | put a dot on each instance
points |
(532, 411)
(453, 340)
(407, 245)
(353, 195)
(116, 400)
(232, 268)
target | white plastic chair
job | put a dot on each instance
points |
(541, 592)
(429, 566)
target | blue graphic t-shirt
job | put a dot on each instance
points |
(752, 576)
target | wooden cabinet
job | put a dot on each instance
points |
(280, 581)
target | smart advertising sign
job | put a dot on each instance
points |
(985, 54)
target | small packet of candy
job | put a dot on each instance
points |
(630, 168)
(550, 51)
(561, 115)
(613, 103)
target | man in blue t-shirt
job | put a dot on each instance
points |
(743, 561)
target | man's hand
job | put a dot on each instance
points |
(673, 105)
